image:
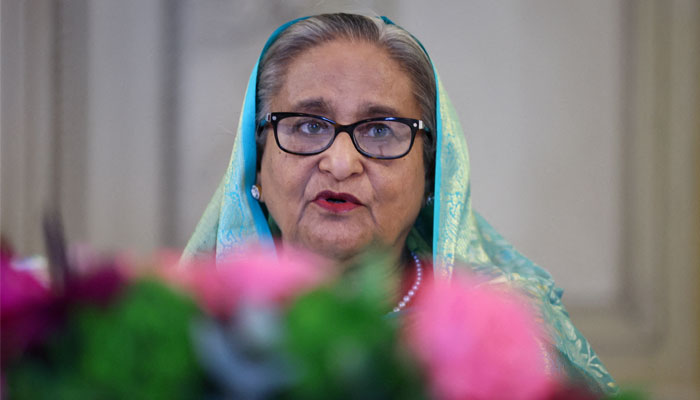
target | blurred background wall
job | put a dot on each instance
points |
(581, 116)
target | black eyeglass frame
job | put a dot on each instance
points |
(274, 118)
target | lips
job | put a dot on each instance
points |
(336, 202)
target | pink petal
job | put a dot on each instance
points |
(478, 343)
(253, 276)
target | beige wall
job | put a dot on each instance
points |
(582, 120)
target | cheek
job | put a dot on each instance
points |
(283, 179)
(413, 189)
(400, 191)
(272, 182)
(266, 167)
(414, 175)
(277, 169)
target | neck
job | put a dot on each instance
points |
(391, 271)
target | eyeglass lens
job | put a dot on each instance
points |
(305, 134)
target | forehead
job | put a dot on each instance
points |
(346, 79)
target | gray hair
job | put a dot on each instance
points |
(400, 45)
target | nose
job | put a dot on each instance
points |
(341, 160)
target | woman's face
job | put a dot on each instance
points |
(346, 82)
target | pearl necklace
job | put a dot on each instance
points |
(414, 289)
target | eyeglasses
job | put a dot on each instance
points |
(305, 134)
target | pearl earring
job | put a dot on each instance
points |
(255, 192)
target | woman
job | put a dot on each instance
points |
(347, 139)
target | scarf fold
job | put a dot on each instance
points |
(461, 238)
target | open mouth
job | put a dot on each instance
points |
(336, 202)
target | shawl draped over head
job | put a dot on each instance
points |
(457, 236)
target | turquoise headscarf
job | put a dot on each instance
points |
(461, 238)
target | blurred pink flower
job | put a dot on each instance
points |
(100, 286)
(19, 289)
(477, 343)
(255, 276)
(25, 309)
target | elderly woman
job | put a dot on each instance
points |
(347, 139)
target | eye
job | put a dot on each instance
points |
(377, 130)
(311, 126)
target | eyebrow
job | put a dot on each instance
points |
(313, 106)
(318, 105)
(371, 110)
